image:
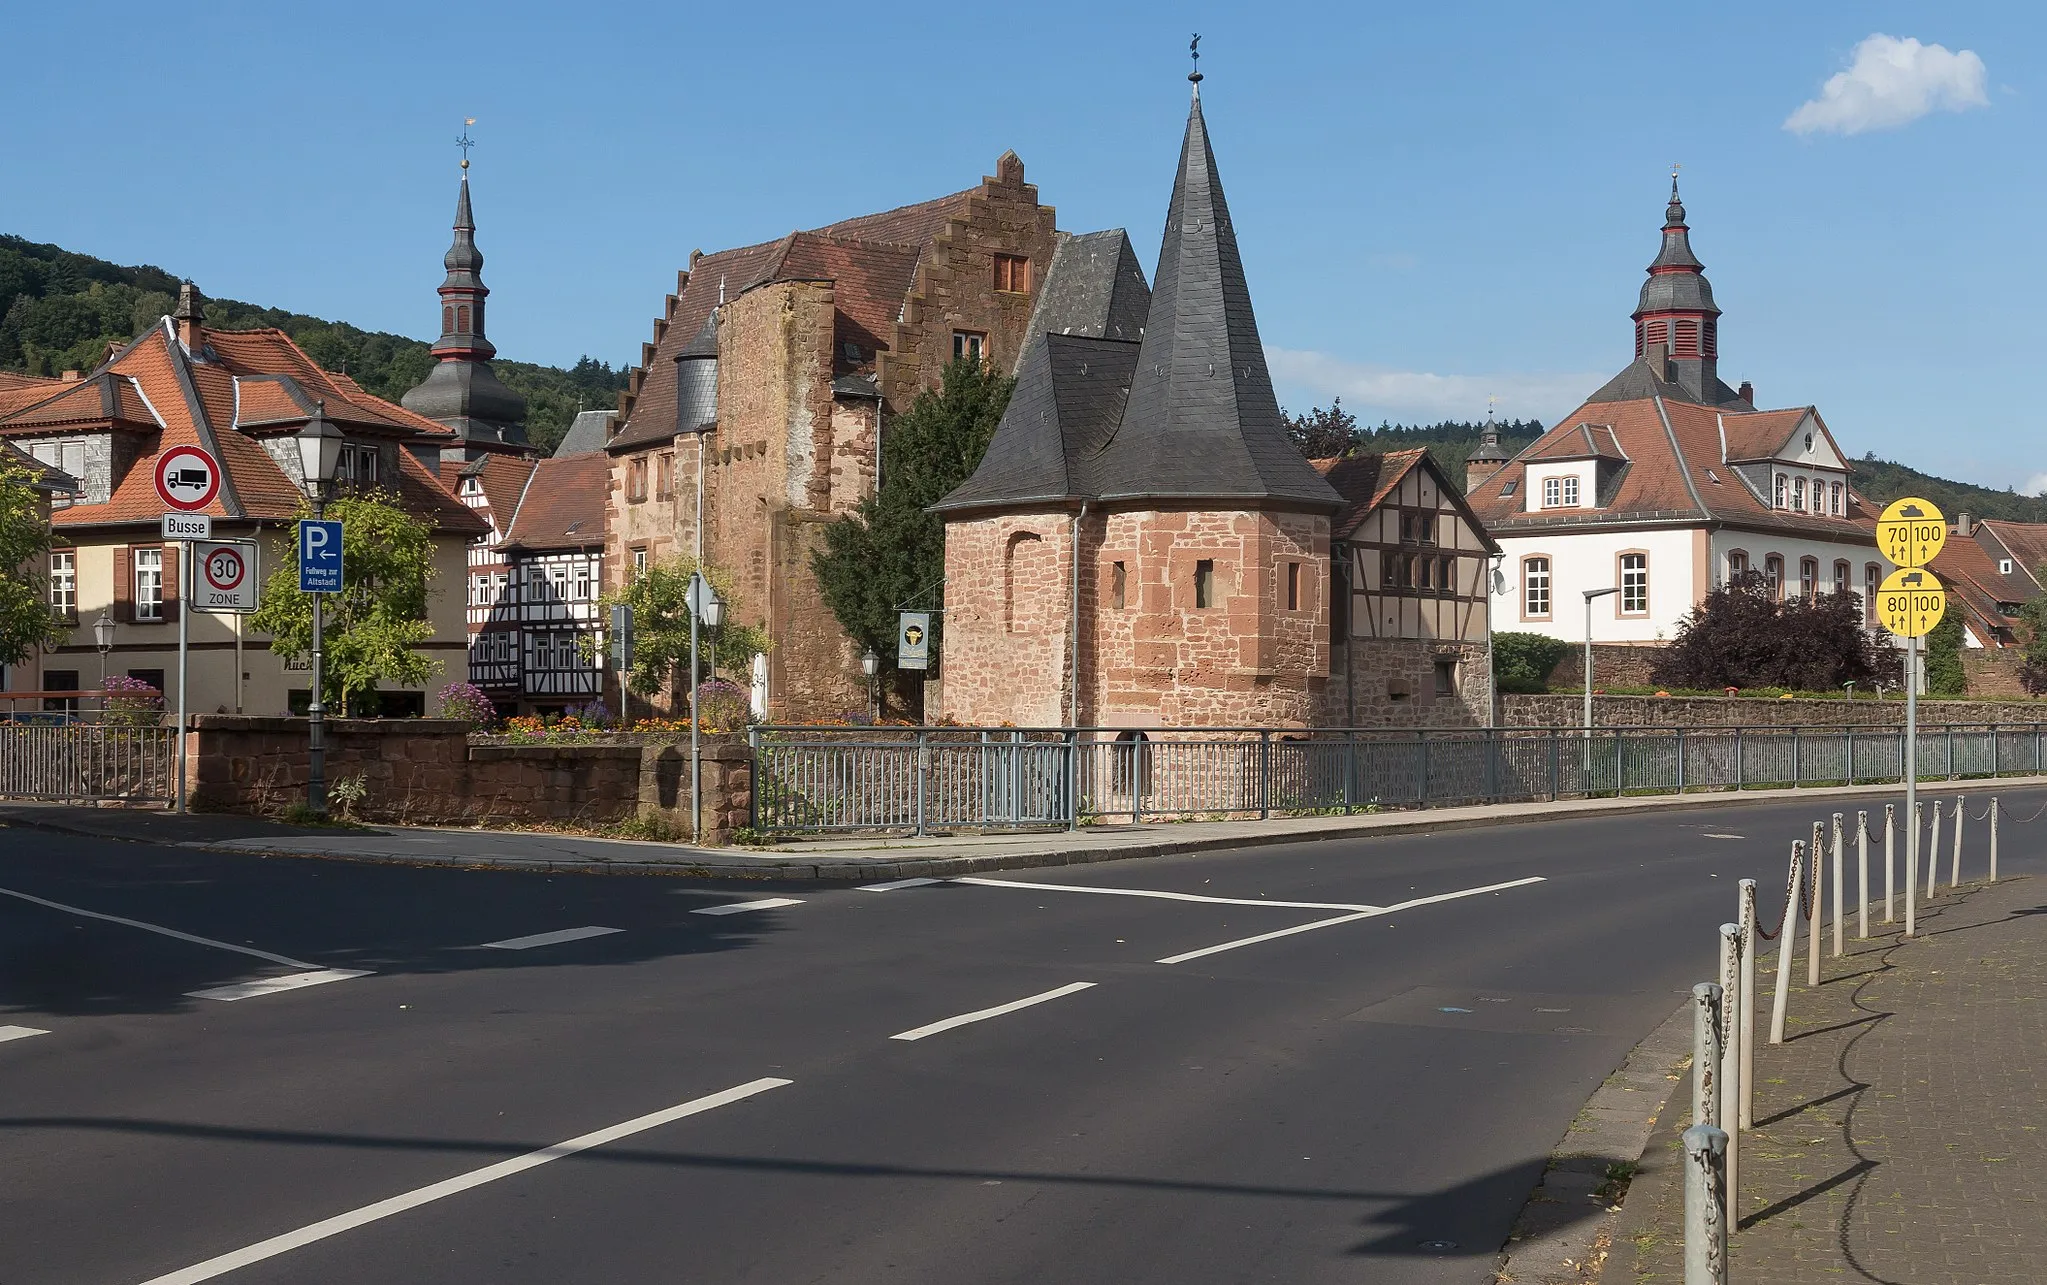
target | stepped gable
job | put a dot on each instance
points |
(563, 505)
(1202, 421)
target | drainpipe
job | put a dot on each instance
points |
(1073, 655)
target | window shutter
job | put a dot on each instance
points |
(124, 585)
(171, 585)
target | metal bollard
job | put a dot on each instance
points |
(1933, 855)
(1706, 1003)
(1912, 872)
(1861, 876)
(1787, 938)
(1890, 865)
(1705, 1206)
(1746, 1028)
(1993, 838)
(1837, 884)
(1729, 1102)
(1816, 882)
(1955, 872)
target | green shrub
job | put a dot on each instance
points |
(1522, 662)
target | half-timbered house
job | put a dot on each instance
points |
(1409, 625)
(546, 639)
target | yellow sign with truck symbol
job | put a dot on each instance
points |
(1910, 602)
(1911, 531)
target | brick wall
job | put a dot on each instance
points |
(1613, 665)
(1393, 684)
(1994, 673)
(431, 772)
(1738, 711)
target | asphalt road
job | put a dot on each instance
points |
(731, 1097)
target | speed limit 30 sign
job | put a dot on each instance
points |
(226, 579)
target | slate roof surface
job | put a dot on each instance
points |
(1197, 420)
(1094, 288)
(152, 385)
(563, 505)
(1675, 474)
(43, 477)
(588, 431)
(1637, 381)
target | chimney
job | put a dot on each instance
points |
(1747, 392)
(72, 376)
(1657, 356)
(189, 317)
(1965, 526)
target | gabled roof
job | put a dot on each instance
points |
(47, 478)
(1094, 287)
(502, 476)
(1364, 482)
(1975, 585)
(588, 431)
(2026, 542)
(563, 505)
(1675, 474)
(154, 386)
(1068, 399)
(1579, 441)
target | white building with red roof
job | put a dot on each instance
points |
(242, 396)
(1666, 481)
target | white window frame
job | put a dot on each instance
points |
(1783, 490)
(1634, 594)
(1536, 572)
(149, 585)
(64, 582)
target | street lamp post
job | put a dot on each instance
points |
(1590, 594)
(319, 444)
(708, 609)
(103, 638)
(870, 665)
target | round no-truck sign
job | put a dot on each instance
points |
(187, 478)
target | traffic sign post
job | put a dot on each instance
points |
(1910, 602)
(187, 480)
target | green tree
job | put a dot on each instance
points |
(660, 603)
(26, 621)
(888, 555)
(1522, 662)
(1944, 673)
(1321, 433)
(373, 628)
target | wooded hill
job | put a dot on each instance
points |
(62, 310)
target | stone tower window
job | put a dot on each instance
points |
(462, 319)
(1204, 582)
(1116, 585)
(969, 343)
(1012, 273)
(1293, 586)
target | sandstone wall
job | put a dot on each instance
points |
(1737, 711)
(1393, 684)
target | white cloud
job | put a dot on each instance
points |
(1890, 83)
(1372, 392)
(2034, 485)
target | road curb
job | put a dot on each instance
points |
(1552, 1242)
(894, 863)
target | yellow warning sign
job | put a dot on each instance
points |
(1910, 602)
(1910, 532)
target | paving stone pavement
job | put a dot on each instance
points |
(1900, 1131)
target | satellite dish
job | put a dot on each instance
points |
(1499, 581)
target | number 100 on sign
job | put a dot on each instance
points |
(1910, 602)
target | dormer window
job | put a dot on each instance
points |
(2004, 566)
(472, 486)
(1510, 486)
(1834, 498)
(357, 466)
(1782, 483)
(1798, 495)
(1560, 492)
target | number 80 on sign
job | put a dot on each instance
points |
(1910, 602)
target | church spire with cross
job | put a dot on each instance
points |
(462, 391)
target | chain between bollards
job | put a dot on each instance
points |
(1728, 1100)
(1750, 944)
(1705, 1205)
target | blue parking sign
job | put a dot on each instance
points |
(319, 556)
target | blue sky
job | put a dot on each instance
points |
(1436, 203)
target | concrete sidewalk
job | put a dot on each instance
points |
(1898, 1135)
(866, 857)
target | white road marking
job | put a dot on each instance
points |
(548, 939)
(1346, 919)
(1720, 836)
(1163, 896)
(19, 1032)
(286, 960)
(738, 907)
(894, 884)
(984, 1014)
(334, 1226)
(272, 985)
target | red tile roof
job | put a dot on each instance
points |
(2027, 544)
(151, 385)
(504, 479)
(1364, 482)
(563, 506)
(1674, 471)
(1976, 588)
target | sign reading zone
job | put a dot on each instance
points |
(227, 579)
(187, 478)
(1910, 602)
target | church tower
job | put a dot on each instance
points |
(1676, 309)
(462, 391)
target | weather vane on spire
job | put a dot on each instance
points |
(1491, 403)
(1194, 51)
(464, 141)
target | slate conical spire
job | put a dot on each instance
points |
(462, 391)
(1676, 309)
(1202, 421)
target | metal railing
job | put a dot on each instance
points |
(84, 747)
(922, 780)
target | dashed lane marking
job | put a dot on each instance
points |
(549, 939)
(1347, 919)
(418, 1196)
(1165, 896)
(19, 1032)
(982, 1015)
(162, 931)
(1720, 836)
(894, 884)
(272, 985)
(740, 907)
